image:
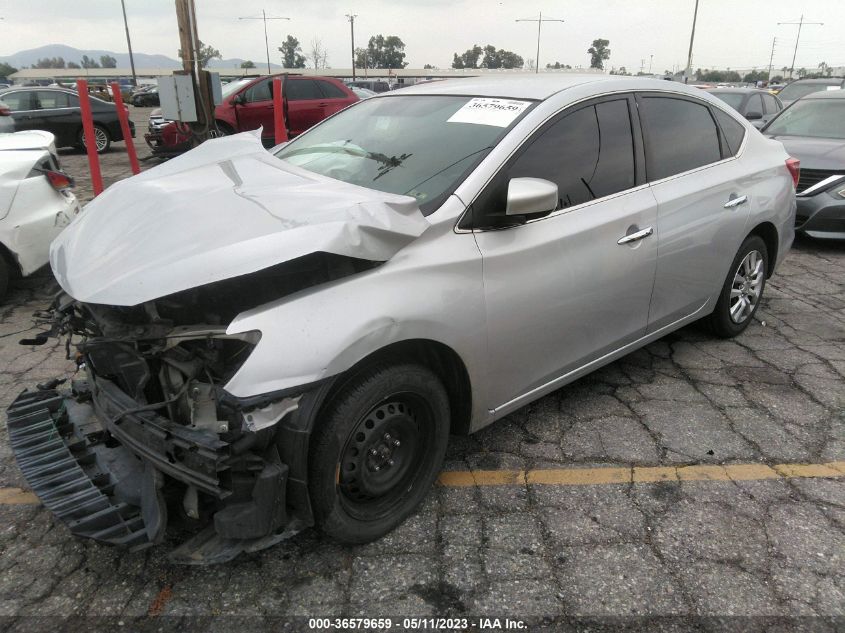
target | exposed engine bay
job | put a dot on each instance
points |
(148, 419)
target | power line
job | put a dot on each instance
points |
(539, 22)
(266, 41)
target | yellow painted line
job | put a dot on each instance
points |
(16, 496)
(638, 474)
(589, 476)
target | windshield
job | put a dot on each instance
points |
(798, 90)
(819, 118)
(421, 146)
(733, 99)
(233, 86)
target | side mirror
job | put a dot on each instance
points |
(238, 99)
(531, 195)
(753, 116)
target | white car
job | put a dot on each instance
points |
(35, 202)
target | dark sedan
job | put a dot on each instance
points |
(56, 110)
(758, 106)
(813, 130)
(146, 98)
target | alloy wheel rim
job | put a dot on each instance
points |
(100, 137)
(747, 286)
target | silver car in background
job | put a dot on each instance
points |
(288, 339)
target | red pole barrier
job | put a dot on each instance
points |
(123, 115)
(279, 122)
(90, 140)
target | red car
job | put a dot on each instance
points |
(248, 105)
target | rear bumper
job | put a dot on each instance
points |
(115, 474)
(821, 216)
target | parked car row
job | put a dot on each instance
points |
(56, 110)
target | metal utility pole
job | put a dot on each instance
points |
(129, 44)
(650, 61)
(351, 17)
(771, 57)
(800, 23)
(266, 41)
(539, 22)
(688, 70)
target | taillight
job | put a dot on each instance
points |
(794, 167)
(4, 111)
(59, 180)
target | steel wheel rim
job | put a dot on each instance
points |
(382, 457)
(747, 286)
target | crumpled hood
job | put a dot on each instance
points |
(224, 209)
(815, 153)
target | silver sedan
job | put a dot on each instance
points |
(289, 338)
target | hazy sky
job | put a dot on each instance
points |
(734, 33)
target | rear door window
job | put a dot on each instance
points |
(680, 135)
(772, 106)
(331, 91)
(48, 99)
(755, 104)
(302, 90)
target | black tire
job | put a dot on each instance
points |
(224, 129)
(4, 277)
(102, 133)
(376, 451)
(720, 322)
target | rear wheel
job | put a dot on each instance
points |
(4, 277)
(101, 136)
(377, 451)
(742, 290)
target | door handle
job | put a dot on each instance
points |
(735, 201)
(635, 237)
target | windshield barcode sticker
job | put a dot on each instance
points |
(483, 111)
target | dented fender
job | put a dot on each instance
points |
(432, 291)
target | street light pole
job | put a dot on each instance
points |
(352, 17)
(771, 57)
(266, 41)
(128, 44)
(539, 22)
(800, 23)
(691, 39)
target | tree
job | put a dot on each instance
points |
(50, 62)
(248, 64)
(107, 61)
(500, 58)
(558, 66)
(73, 65)
(291, 51)
(756, 75)
(382, 52)
(599, 53)
(469, 59)
(429, 67)
(6, 69)
(319, 55)
(206, 54)
(87, 62)
(802, 72)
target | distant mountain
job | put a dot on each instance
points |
(142, 60)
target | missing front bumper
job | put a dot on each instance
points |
(115, 482)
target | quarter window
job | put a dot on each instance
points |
(681, 136)
(18, 101)
(772, 106)
(755, 104)
(733, 131)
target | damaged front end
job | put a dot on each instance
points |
(148, 438)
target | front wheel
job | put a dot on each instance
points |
(742, 290)
(377, 450)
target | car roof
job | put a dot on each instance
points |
(829, 81)
(825, 94)
(536, 86)
(736, 90)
